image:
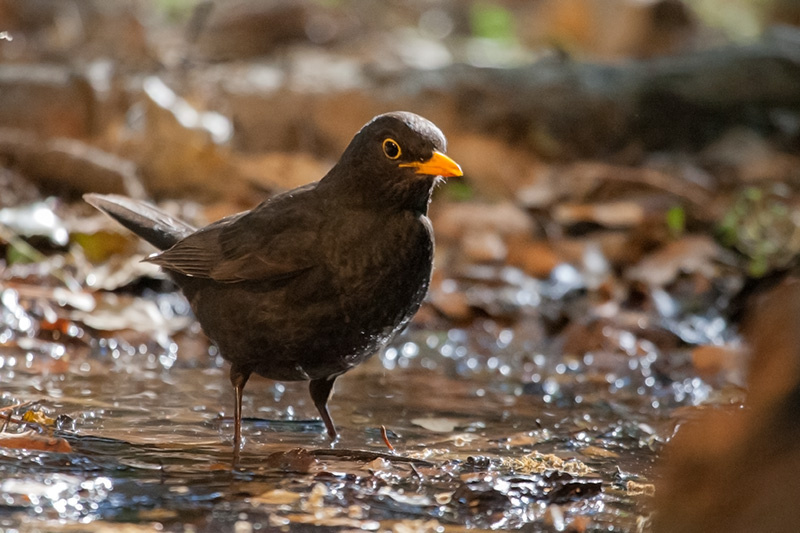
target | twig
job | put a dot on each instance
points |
(367, 456)
(415, 471)
(5, 423)
(386, 439)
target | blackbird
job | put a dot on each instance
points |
(315, 280)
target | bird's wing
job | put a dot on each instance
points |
(276, 240)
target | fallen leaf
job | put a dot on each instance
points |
(634, 488)
(623, 214)
(277, 497)
(596, 451)
(438, 425)
(31, 440)
(694, 253)
(38, 417)
(540, 463)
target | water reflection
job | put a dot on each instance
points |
(58, 496)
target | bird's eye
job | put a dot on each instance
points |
(391, 149)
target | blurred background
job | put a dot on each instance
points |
(616, 268)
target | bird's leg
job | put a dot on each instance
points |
(320, 391)
(239, 378)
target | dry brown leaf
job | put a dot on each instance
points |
(634, 488)
(539, 463)
(691, 254)
(596, 451)
(437, 425)
(31, 440)
(277, 497)
(613, 214)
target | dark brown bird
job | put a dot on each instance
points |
(315, 280)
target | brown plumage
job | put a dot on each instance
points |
(315, 280)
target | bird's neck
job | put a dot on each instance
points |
(367, 193)
(420, 200)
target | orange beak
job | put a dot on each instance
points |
(438, 165)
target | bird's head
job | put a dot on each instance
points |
(395, 160)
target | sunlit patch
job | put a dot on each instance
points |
(58, 496)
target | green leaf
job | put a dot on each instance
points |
(491, 21)
(676, 221)
(459, 191)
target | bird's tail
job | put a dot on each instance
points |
(145, 220)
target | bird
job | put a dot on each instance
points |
(315, 280)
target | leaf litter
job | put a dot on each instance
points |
(569, 326)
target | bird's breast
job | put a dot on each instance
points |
(384, 266)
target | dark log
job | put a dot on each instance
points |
(568, 109)
(557, 107)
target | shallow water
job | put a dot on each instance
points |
(487, 434)
(500, 424)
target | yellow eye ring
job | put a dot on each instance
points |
(391, 149)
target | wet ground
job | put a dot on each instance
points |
(489, 429)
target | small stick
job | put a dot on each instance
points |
(7, 420)
(386, 439)
(12, 407)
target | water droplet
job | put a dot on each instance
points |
(550, 386)
(410, 349)
(390, 354)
